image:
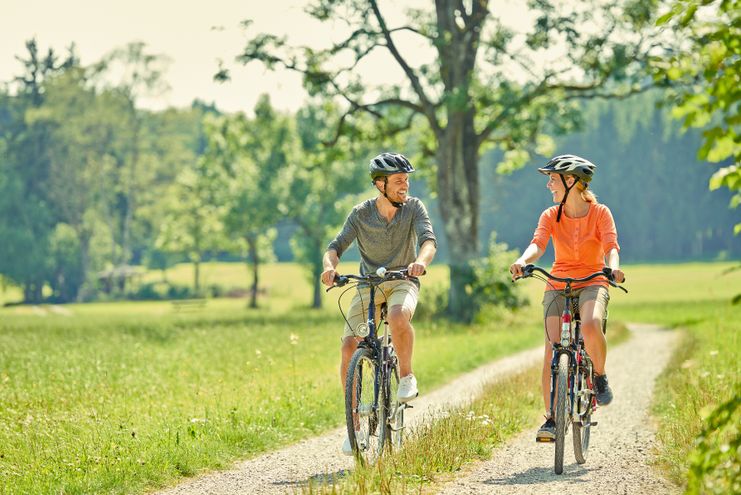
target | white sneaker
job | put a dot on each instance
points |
(360, 438)
(407, 388)
(346, 447)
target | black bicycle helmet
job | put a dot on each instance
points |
(563, 165)
(387, 164)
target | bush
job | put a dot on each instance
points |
(489, 287)
(492, 283)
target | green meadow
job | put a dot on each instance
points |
(126, 397)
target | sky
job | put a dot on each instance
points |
(193, 35)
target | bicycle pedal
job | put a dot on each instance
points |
(545, 440)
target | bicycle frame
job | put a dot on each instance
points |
(570, 343)
(380, 349)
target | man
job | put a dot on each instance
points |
(388, 229)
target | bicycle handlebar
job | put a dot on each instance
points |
(527, 271)
(381, 275)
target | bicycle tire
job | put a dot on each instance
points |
(361, 407)
(392, 413)
(584, 411)
(562, 380)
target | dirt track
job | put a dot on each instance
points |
(618, 459)
(620, 448)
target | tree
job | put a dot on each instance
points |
(485, 86)
(83, 127)
(321, 184)
(704, 70)
(140, 76)
(193, 222)
(27, 219)
(254, 156)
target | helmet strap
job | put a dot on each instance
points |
(565, 195)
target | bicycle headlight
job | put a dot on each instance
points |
(362, 330)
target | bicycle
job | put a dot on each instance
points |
(572, 375)
(375, 417)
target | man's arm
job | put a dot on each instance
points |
(424, 258)
(330, 262)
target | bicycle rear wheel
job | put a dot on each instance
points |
(361, 407)
(562, 381)
(583, 406)
(392, 426)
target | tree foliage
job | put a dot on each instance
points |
(704, 68)
(482, 86)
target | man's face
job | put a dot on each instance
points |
(397, 187)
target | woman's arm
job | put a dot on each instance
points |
(530, 255)
(613, 262)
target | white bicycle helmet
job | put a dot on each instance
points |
(579, 167)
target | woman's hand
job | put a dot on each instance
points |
(516, 269)
(618, 276)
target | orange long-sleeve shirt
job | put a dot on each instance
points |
(580, 244)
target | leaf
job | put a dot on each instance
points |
(723, 177)
(722, 148)
(664, 18)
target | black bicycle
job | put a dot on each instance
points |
(375, 417)
(572, 375)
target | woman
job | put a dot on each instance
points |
(584, 241)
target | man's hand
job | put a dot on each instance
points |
(618, 276)
(416, 269)
(328, 277)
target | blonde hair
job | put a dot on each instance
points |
(586, 194)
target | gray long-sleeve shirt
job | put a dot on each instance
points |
(389, 244)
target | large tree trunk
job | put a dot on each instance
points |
(458, 145)
(458, 190)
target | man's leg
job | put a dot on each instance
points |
(402, 335)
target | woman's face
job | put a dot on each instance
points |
(555, 186)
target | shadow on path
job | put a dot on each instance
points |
(315, 480)
(541, 475)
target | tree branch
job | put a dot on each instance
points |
(428, 107)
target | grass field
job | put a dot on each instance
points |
(123, 397)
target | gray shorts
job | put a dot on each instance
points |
(553, 301)
(394, 292)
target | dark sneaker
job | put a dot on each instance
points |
(547, 432)
(602, 388)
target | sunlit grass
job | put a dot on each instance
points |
(123, 397)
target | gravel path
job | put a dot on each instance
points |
(320, 458)
(620, 447)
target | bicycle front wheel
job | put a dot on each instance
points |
(562, 409)
(361, 406)
(392, 425)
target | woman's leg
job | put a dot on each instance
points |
(553, 324)
(592, 308)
